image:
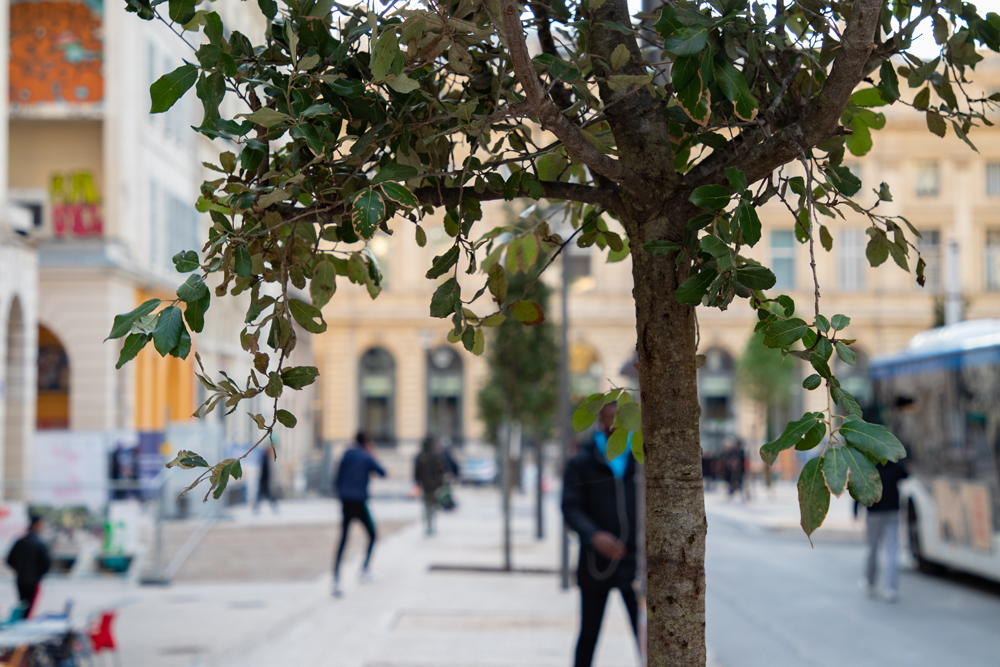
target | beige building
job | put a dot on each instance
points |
(387, 368)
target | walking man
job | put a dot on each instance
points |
(882, 526)
(29, 558)
(352, 486)
(428, 471)
(599, 504)
(264, 482)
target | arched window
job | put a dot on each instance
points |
(445, 385)
(53, 382)
(377, 385)
(715, 394)
(585, 371)
(15, 404)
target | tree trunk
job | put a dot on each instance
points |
(675, 503)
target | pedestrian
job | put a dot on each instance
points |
(429, 470)
(599, 504)
(735, 465)
(882, 526)
(29, 558)
(351, 483)
(264, 481)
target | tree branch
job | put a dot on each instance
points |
(434, 196)
(549, 116)
(759, 159)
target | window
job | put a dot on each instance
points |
(783, 259)
(173, 226)
(993, 178)
(928, 179)
(930, 250)
(851, 261)
(992, 259)
(377, 379)
(715, 394)
(444, 395)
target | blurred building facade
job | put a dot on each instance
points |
(105, 196)
(382, 362)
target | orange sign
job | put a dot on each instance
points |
(55, 52)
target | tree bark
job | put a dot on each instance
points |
(675, 503)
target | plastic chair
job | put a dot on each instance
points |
(101, 637)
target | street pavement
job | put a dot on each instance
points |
(771, 598)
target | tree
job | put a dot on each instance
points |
(766, 376)
(524, 364)
(358, 118)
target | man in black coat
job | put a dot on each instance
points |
(29, 558)
(599, 504)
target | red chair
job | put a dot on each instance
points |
(101, 637)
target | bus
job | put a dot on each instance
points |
(941, 398)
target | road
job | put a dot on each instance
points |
(772, 601)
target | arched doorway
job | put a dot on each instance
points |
(377, 395)
(445, 385)
(715, 393)
(53, 382)
(15, 404)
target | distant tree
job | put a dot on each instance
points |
(524, 369)
(766, 376)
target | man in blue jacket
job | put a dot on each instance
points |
(352, 486)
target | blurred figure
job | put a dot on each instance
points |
(29, 558)
(735, 462)
(352, 486)
(429, 470)
(882, 525)
(599, 504)
(264, 481)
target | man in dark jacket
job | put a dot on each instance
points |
(352, 486)
(599, 504)
(429, 470)
(882, 525)
(29, 558)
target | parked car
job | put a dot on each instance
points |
(478, 471)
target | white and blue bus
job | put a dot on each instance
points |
(941, 398)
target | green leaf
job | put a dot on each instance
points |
(868, 97)
(244, 266)
(194, 312)
(840, 322)
(123, 323)
(323, 284)
(694, 289)
(443, 263)
(712, 197)
(386, 48)
(186, 261)
(822, 323)
(812, 437)
(872, 439)
(394, 172)
(791, 436)
(835, 471)
(367, 213)
(192, 289)
(687, 41)
(825, 238)
(169, 88)
(638, 452)
(617, 443)
(812, 382)
(629, 415)
(583, 418)
(478, 343)
(269, 8)
(446, 299)
(755, 277)
(167, 334)
(400, 194)
(619, 57)
(846, 401)
(845, 353)
(306, 315)
(814, 496)
(737, 179)
(498, 283)
(863, 480)
(718, 249)
(274, 385)
(187, 460)
(746, 219)
(782, 333)
(888, 84)
(923, 99)
(663, 248)
(266, 117)
(736, 90)
(844, 180)
(298, 377)
(528, 312)
(133, 345)
(286, 418)
(935, 123)
(181, 11)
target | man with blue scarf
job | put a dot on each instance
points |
(599, 504)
